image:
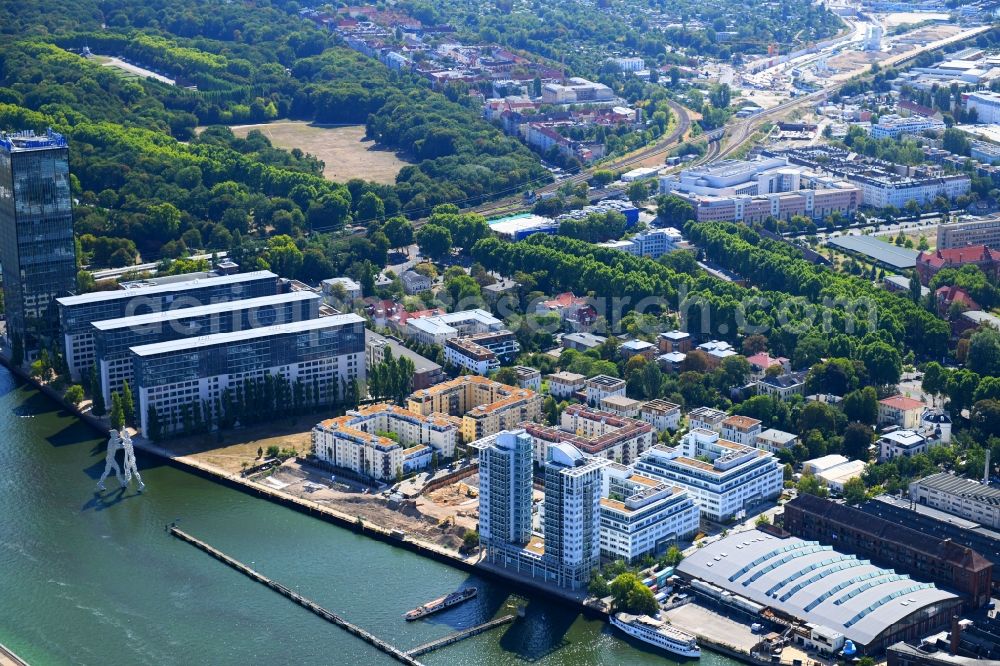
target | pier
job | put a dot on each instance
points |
(460, 635)
(8, 658)
(312, 606)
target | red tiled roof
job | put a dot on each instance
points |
(901, 402)
(955, 256)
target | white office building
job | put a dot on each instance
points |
(77, 313)
(965, 498)
(642, 516)
(891, 126)
(737, 479)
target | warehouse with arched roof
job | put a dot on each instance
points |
(839, 593)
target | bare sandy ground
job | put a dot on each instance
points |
(343, 149)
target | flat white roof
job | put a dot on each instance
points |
(243, 336)
(98, 296)
(202, 310)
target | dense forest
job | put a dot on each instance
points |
(142, 173)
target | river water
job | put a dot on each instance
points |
(87, 579)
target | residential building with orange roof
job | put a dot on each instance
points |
(641, 515)
(741, 429)
(357, 441)
(726, 479)
(486, 407)
(595, 433)
(902, 411)
(759, 363)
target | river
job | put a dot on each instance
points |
(87, 579)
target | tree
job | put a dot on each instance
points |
(984, 352)
(117, 412)
(883, 362)
(631, 596)
(673, 210)
(128, 404)
(370, 208)
(754, 344)
(915, 288)
(638, 191)
(74, 395)
(434, 241)
(809, 485)
(854, 491)
(598, 586)
(97, 405)
(399, 231)
(674, 556)
(470, 540)
(153, 425)
(858, 438)
(720, 96)
(862, 405)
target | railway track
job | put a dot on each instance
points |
(662, 147)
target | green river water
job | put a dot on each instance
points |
(96, 580)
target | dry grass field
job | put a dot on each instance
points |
(343, 149)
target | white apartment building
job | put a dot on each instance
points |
(706, 418)
(576, 90)
(662, 415)
(563, 385)
(653, 243)
(505, 479)
(356, 441)
(467, 354)
(438, 329)
(528, 378)
(630, 64)
(642, 516)
(901, 444)
(742, 430)
(882, 191)
(572, 514)
(738, 478)
(965, 498)
(621, 406)
(600, 387)
(773, 440)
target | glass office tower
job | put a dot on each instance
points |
(37, 252)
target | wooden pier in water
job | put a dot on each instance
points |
(459, 636)
(371, 639)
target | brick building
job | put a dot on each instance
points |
(887, 543)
